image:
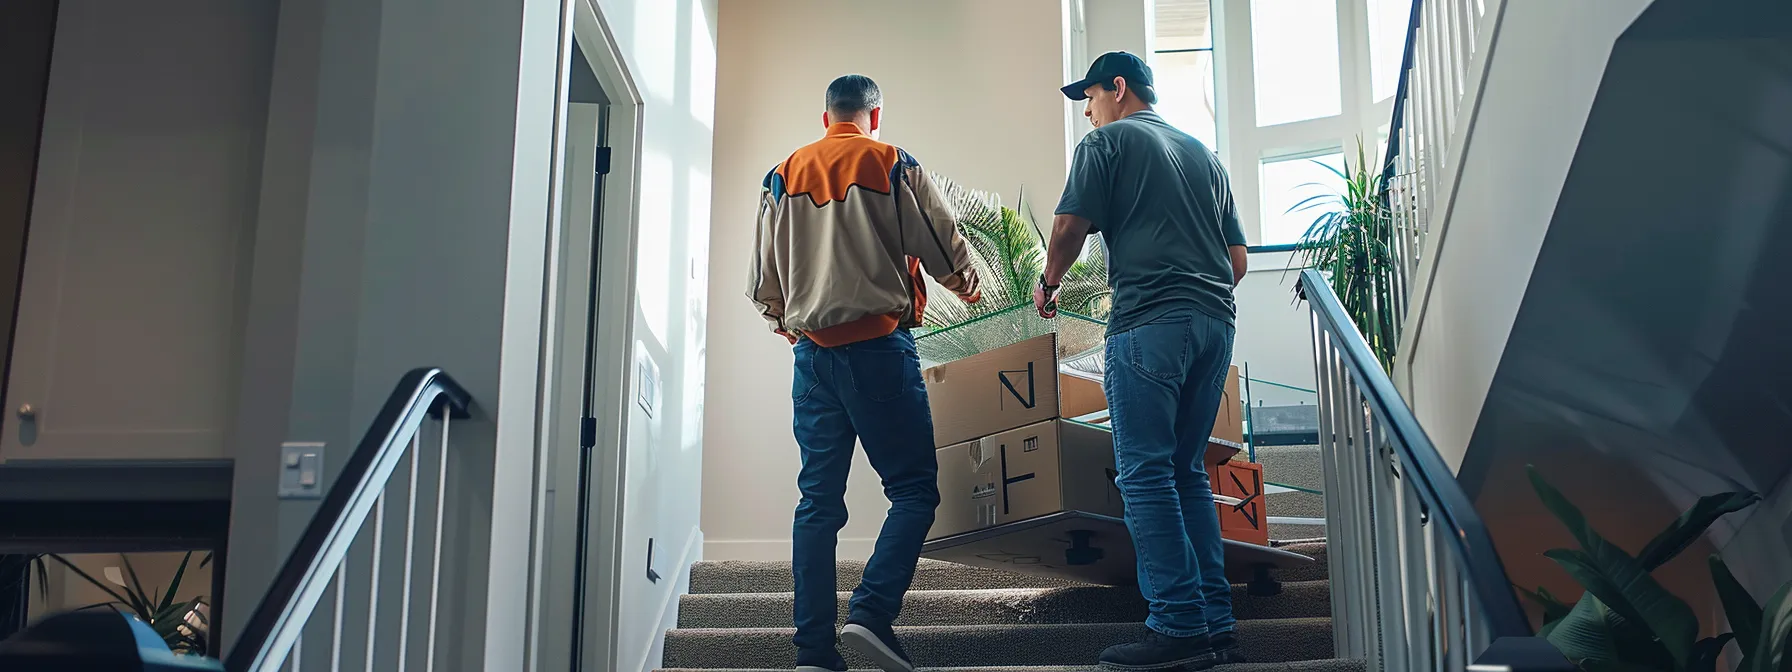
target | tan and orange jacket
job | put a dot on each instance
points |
(846, 226)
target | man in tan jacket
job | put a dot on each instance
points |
(847, 225)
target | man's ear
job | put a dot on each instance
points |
(1119, 88)
(825, 121)
(877, 118)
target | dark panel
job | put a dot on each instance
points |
(112, 527)
(1653, 330)
(27, 28)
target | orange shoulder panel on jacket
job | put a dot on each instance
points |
(826, 169)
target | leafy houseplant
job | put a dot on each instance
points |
(183, 625)
(1008, 254)
(1351, 242)
(1627, 621)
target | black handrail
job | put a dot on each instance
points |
(421, 393)
(1399, 120)
(1426, 472)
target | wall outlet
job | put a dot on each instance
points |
(301, 470)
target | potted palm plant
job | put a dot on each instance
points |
(1351, 242)
(1008, 252)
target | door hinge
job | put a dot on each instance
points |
(652, 576)
(603, 160)
(587, 432)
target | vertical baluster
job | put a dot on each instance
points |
(1453, 46)
(1389, 560)
(1415, 552)
(435, 573)
(1474, 632)
(373, 578)
(1337, 518)
(1419, 115)
(1448, 584)
(1436, 127)
(336, 623)
(1361, 492)
(1465, 26)
(410, 543)
(1433, 601)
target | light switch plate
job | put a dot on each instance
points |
(647, 381)
(301, 470)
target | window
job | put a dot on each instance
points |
(1388, 22)
(1183, 64)
(1294, 53)
(1287, 182)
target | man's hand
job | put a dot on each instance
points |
(787, 336)
(973, 297)
(1045, 299)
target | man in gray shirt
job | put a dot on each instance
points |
(1163, 205)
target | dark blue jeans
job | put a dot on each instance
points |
(870, 392)
(1164, 382)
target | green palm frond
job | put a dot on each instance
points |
(1351, 242)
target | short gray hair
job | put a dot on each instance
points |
(852, 94)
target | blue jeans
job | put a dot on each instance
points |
(870, 391)
(1164, 382)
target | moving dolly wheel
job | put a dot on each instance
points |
(1080, 552)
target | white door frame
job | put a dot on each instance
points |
(555, 522)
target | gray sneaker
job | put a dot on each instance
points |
(878, 644)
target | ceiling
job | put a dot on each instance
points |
(1182, 24)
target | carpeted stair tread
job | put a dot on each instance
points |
(1265, 641)
(1014, 606)
(741, 576)
(1311, 572)
(1327, 665)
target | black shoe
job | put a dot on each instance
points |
(1225, 649)
(1160, 652)
(828, 661)
(879, 644)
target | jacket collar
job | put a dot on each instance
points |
(844, 129)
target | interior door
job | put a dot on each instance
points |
(146, 187)
(26, 30)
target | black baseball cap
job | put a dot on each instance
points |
(1105, 69)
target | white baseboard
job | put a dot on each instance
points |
(668, 612)
(778, 549)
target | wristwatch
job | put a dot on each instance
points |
(1048, 288)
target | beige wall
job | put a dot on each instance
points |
(970, 90)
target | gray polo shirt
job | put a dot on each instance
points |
(1163, 206)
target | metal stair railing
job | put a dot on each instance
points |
(1416, 581)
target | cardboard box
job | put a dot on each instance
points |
(1228, 426)
(1043, 468)
(1005, 388)
(1039, 469)
(1248, 520)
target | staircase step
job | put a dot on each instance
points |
(1327, 665)
(743, 576)
(713, 578)
(1017, 606)
(1313, 572)
(1267, 641)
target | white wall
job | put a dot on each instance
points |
(970, 89)
(403, 223)
(669, 47)
(1513, 165)
(1275, 335)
